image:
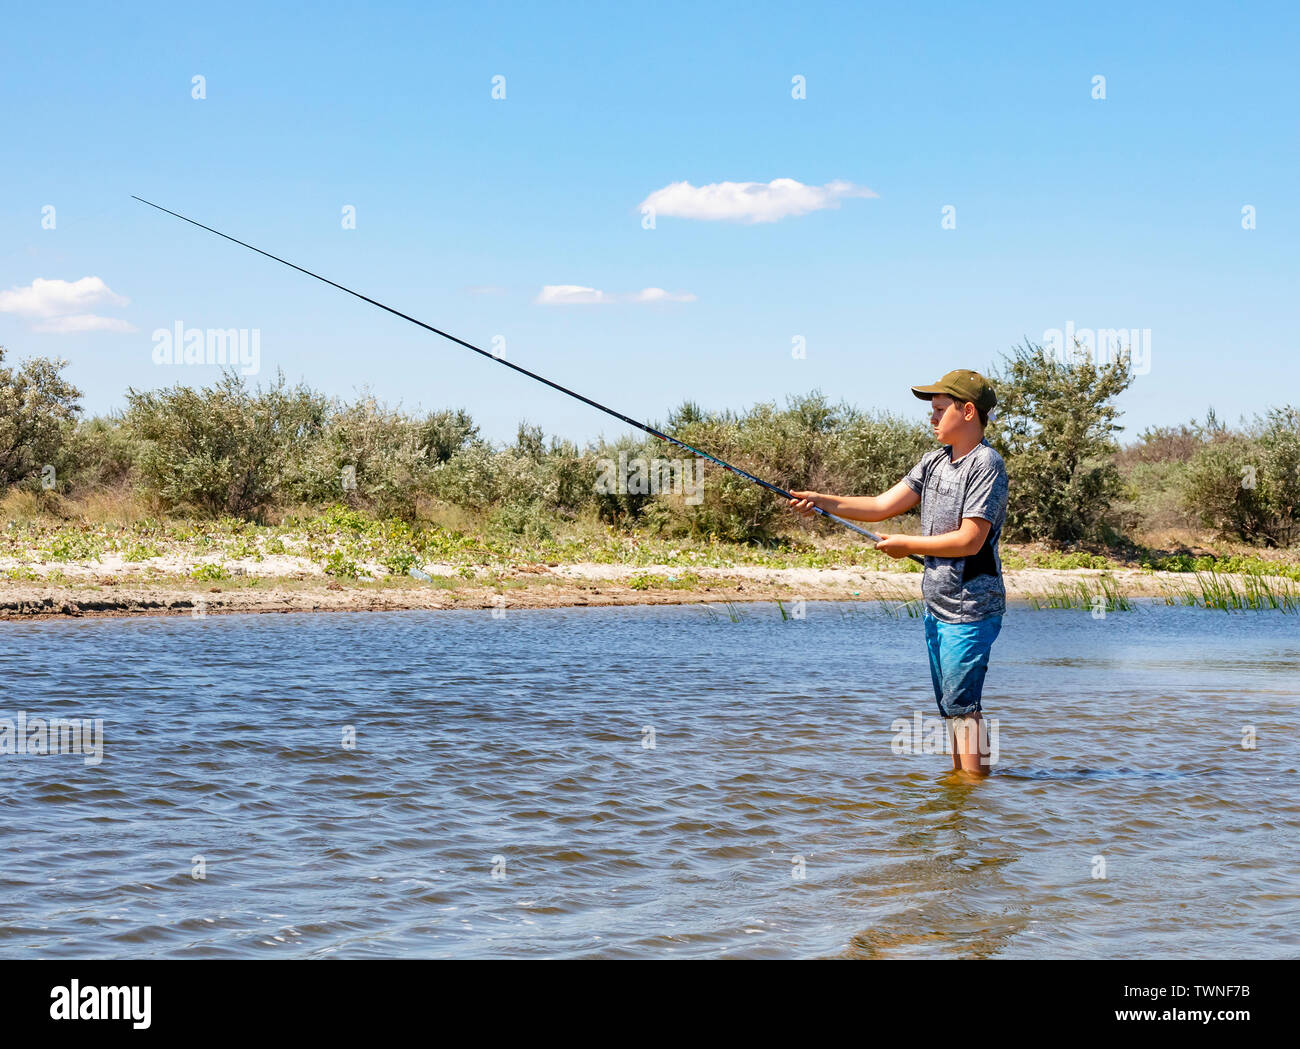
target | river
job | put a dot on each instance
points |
(648, 782)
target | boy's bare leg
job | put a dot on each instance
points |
(966, 753)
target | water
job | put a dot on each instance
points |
(520, 745)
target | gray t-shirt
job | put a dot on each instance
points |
(962, 589)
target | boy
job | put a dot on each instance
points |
(962, 489)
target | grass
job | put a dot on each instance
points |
(1099, 595)
(892, 609)
(1248, 592)
(649, 581)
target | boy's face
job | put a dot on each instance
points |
(948, 417)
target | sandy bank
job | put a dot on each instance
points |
(295, 586)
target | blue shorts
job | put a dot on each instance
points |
(959, 657)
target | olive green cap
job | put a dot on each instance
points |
(962, 385)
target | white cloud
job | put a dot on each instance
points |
(659, 295)
(569, 294)
(749, 202)
(50, 298)
(579, 295)
(60, 306)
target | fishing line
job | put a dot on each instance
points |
(524, 371)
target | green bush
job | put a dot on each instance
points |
(1247, 485)
(371, 455)
(1055, 427)
(445, 433)
(101, 453)
(527, 519)
(224, 449)
(38, 408)
(1153, 498)
(810, 444)
(231, 452)
(520, 489)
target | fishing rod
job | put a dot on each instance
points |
(524, 371)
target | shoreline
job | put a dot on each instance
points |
(545, 586)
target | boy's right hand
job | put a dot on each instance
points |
(804, 502)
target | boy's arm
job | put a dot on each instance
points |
(898, 500)
(965, 541)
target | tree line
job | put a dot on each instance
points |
(255, 452)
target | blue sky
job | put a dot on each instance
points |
(1124, 212)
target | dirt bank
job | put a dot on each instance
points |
(527, 586)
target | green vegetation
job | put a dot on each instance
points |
(338, 564)
(1098, 596)
(224, 450)
(1247, 484)
(1249, 592)
(648, 581)
(141, 551)
(72, 546)
(1055, 427)
(38, 409)
(363, 490)
(898, 609)
(733, 613)
(1235, 565)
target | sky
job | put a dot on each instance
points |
(722, 203)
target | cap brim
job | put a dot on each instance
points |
(926, 392)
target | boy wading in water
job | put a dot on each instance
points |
(962, 489)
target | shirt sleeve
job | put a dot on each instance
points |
(915, 478)
(986, 492)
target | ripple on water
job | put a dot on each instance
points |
(502, 798)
